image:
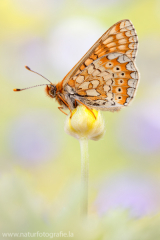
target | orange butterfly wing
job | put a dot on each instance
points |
(121, 37)
(108, 83)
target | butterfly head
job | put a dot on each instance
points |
(51, 90)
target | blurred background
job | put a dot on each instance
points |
(39, 162)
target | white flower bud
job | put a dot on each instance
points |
(84, 125)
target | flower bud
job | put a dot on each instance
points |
(83, 124)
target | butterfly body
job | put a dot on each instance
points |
(106, 77)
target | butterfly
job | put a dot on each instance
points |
(105, 78)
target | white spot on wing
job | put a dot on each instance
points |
(92, 92)
(96, 64)
(134, 75)
(106, 88)
(133, 39)
(133, 46)
(130, 66)
(91, 69)
(80, 79)
(130, 91)
(122, 47)
(127, 101)
(112, 44)
(131, 53)
(109, 82)
(130, 33)
(110, 39)
(106, 76)
(113, 30)
(119, 36)
(122, 41)
(95, 83)
(109, 96)
(127, 28)
(96, 72)
(103, 74)
(84, 85)
(132, 82)
(123, 58)
(113, 55)
(102, 69)
(125, 24)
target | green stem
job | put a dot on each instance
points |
(84, 175)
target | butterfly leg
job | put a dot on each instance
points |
(85, 106)
(65, 104)
(60, 108)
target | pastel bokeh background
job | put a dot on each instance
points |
(40, 163)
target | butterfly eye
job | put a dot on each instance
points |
(52, 91)
(119, 97)
(119, 89)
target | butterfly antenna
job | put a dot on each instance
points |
(28, 68)
(18, 89)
